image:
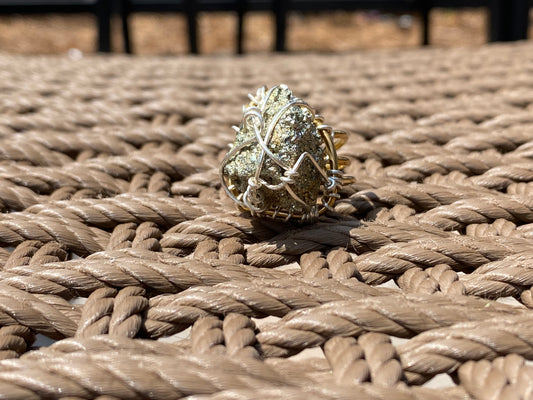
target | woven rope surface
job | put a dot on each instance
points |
(127, 273)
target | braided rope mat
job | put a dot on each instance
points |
(118, 245)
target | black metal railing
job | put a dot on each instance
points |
(509, 19)
(101, 9)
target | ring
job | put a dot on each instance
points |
(283, 163)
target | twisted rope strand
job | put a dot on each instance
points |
(114, 227)
(447, 348)
(403, 316)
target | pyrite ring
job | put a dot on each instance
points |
(283, 163)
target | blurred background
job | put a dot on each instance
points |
(167, 33)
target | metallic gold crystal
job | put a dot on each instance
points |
(283, 162)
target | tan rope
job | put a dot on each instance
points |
(480, 210)
(35, 252)
(76, 236)
(440, 278)
(117, 314)
(503, 377)
(234, 336)
(16, 198)
(116, 236)
(21, 308)
(508, 277)
(122, 209)
(158, 272)
(403, 316)
(15, 340)
(256, 298)
(332, 392)
(447, 348)
(371, 358)
(136, 374)
(46, 179)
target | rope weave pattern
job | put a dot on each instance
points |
(127, 273)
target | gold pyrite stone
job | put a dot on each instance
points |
(283, 163)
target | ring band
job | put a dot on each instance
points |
(283, 163)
